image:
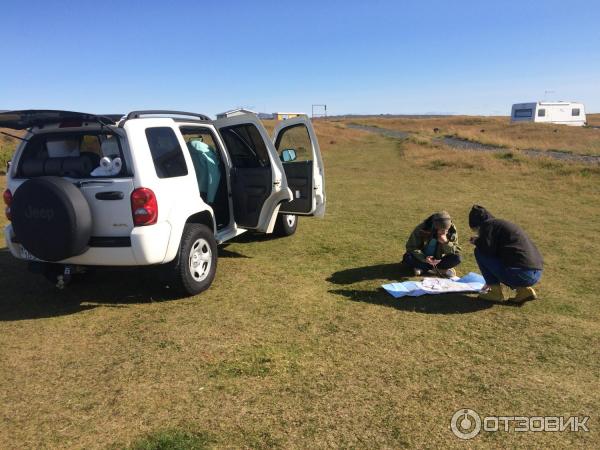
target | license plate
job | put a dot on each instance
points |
(28, 256)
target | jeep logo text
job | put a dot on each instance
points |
(39, 213)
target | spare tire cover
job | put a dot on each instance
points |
(51, 218)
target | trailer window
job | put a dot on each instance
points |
(541, 113)
(522, 113)
(575, 112)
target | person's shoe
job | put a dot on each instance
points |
(417, 272)
(494, 293)
(450, 273)
(524, 294)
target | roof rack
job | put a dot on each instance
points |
(161, 112)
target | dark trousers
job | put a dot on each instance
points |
(495, 272)
(447, 262)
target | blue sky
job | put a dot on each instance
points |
(471, 57)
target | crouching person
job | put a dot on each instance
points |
(506, 255)
(433, 246)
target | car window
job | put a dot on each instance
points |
(73, 154)
(297, 139)
(191, 134)
(246, 146)
(167, 154)
(91, 144)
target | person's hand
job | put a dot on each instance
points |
(442, 237)
(431, 260)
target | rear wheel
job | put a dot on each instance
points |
(286, 224)
(196, 263)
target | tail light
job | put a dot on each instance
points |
(7, 201)
(144, 207)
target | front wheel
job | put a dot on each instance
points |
(196, 263)
(286, 224)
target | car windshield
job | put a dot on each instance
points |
(86, 154)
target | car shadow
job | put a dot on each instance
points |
(226, 253)
(428, 304)
(250, 237)
(25, 295)
(393, 271)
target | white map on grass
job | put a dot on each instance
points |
(472, 282)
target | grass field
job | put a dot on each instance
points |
(296, 346)
(498, 131)
(7, 147)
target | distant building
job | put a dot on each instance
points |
(265, 116)
(561, 113)
(287, 115)
(235, 112)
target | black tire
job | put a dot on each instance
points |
(199, 240)
(285, 225)
(51, 218)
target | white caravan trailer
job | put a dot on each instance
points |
(563, 113)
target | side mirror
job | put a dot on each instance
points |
(288, 155)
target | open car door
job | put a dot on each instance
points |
(258, 182)
(298, 148)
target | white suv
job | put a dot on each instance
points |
(154, 188)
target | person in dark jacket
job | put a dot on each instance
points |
(505, 254)
(433, 246)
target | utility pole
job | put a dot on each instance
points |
(321, 111)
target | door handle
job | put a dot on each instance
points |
(110, 195)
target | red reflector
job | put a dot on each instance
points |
(144, 207)
(7, 197)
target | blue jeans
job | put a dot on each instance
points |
(495, 272)
(447, 262)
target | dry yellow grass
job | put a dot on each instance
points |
(295, 346)
(498, 131)
(593, 119)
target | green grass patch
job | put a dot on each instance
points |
(174, 440)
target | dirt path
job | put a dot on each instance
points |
(383, 131)
(463, 144)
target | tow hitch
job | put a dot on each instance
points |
(64, 279)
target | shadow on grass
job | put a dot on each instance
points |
(25, 295)
(250, 237)
(393, 271)
(225, 253)
(429, 304)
